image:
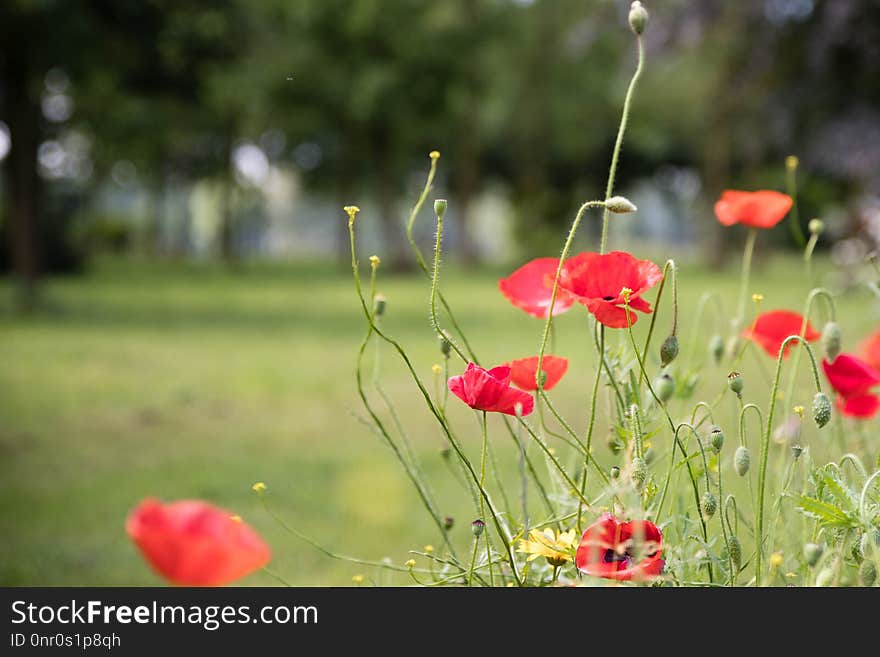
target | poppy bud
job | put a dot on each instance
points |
(445, 452)
(734, 551)
(638, 17)
(716, 438)
(615, 471)
(440, 207)
(448, 522)
(735, 383)
(812, 553)
(716, 348)
(709, 504)
(821, 409)
(868, 573)
(445, 346)
(477, 527)
(741, 460)
(379, 305)
(831, 340)
(797, 450)
(639, 472)
(668, 350)
(620, 205)
(816, 226)
(664, 386)
(649, 455)
(865, 543)
(791, 162)
(825, 577)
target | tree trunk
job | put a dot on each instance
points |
(24, 186)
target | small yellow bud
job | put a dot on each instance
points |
(436, 369)
(799, 411)
(258, 487)
(429, 549)
(235, 517)
(791, 162)
(434, 155)
(410, 563)
(351, 211)
(358, 579)
(625, 293)
(551, 451)
(757, 297)
(816, 226)
(776, 559)
(375, 261)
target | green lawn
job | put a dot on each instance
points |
(180, 381)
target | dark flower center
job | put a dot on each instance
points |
(608, 298)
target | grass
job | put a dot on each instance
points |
(185, 380)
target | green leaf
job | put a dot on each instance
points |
(837, 488)
(825, 513)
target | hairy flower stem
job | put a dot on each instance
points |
(618, 143)
(794, 221)
(748, 252)
(669, 266)
(483, 454)
(588, 442)
(441, 420)
(765, 448)
(796, 359)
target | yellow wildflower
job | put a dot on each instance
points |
(556, 547)
(429, 549)
(776, 559)
(436, 369)
(434, 155)
(757, 297)
(410, 563)
(375, 261)
(358, 579)
(258, 487)
(235, 517)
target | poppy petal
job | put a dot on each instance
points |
(761, 209)
(770, 330)
(523, 371)
(508, 401)
(850, 376)
(870, 349)
(531, 288)
(861, 406)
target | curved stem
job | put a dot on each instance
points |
(744, 276)
(621, 130)
(796, 360)
(765, 447)
(670, 265)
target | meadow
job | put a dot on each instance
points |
(194, 381)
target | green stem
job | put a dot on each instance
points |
(796, 360)
(670, 265)
(618, 143)
(793, 217)
(744, 277)
(482, 485)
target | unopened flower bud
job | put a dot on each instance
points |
(440, 207)
(445, 346)
(735, 383)
(639, 472)
(638, 17)
(448, 522)
(791, 162)
(716, 348)
(821, 409)
(379, 305)
(477, 527)
(615, 471)
(716, 438)
(831, 340)
(541, 378)
(865, 547)
(797, 450)
(650, 455)
(664, 387)
(812, 553)
(741, 460)
(734, 551)
(816, 226)
(709, 504)
(825, 577)
(620, 205)
(434, 155)
(410, 563)
(867, 573)
(351, 211)
(668, 350)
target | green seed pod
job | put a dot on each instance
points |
(639, 472)
(440, 207)
(735, 383)
(650, 455)
(709, 504)
(825, 577)
(831, 340)
(664, 386)
(477, 527)
(379, 304)
(821, 409)
(867, 573)
(445, 346)
(716, 348)
(716, 438)
(865, 546)
(615, 471)
(448, 522)
(797, 450)
(734, 551)
(668, 350)
(741, 460)
(816, 226)
(813, 552)
(638, 17)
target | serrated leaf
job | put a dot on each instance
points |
(837, 488)
(825, 513)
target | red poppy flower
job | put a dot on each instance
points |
(870, 350)
(762, 209)
(531, 287)
(596, 281)
(489, 390)
(772, 328)
(620, 550)
(193, 543)
(523, 371)
(860, 406)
